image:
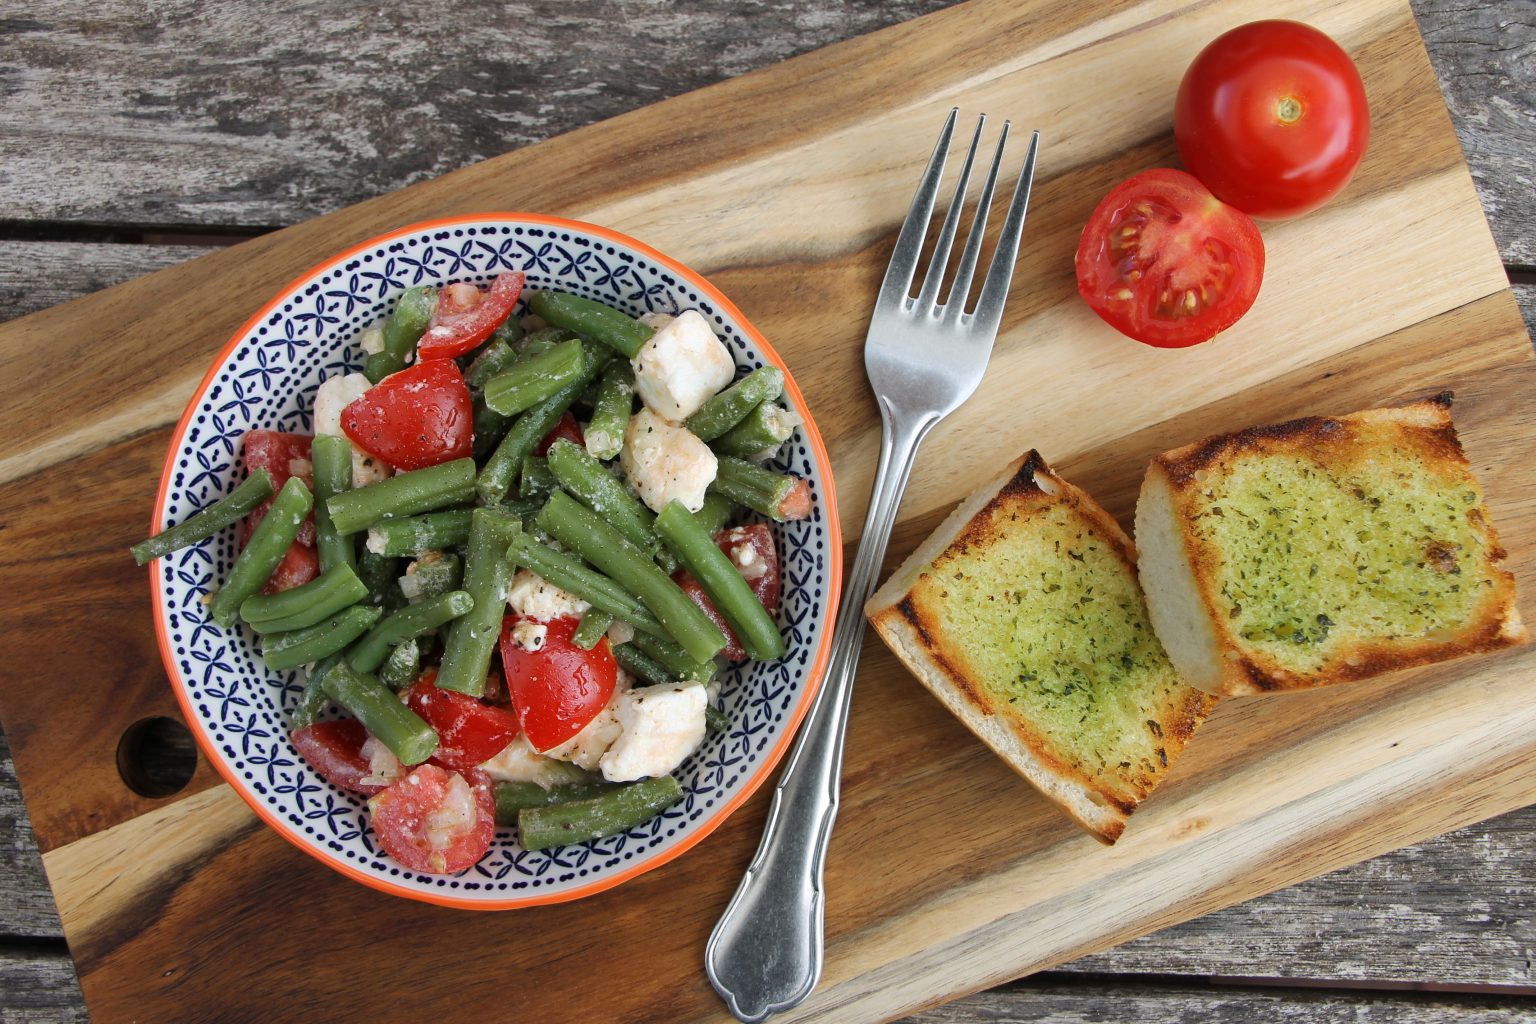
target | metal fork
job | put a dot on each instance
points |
(923, 359)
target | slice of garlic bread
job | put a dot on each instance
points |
(1022, 615)
(1322, 550)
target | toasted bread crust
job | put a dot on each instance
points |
(1422, 431)
(903, 613)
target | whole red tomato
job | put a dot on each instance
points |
(1272, 117)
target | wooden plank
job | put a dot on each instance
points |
(1047, 1000)
(36, 275)
(28, 910)
(979, 882)
(37, 986)
(247, 117)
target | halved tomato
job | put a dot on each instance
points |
(1164, 261)
(416, 418)
(568, 428)
(752, 551)
(465, 316)
(468, 732)
(335, 750)
(556, 687)
(284, 456)
(436, 820)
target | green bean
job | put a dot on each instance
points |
(639, 664)
(611, 408)
(608, 814)
(715, 720)
(402, 666)
(585, 479)
(301, 646)
(487, 573)
(512, 797)
(536, 482)
(529, 429)
(571, 575)
(729, 592)
(623, 334)
(763, 430)
(231, 508)
(592, 628)
(493, 358)
(312, 700)
(490, 427)
(421, 490)
(509, 330)
(406, 324)
(591, 537)
(534, 379)
(728, 408)
(760, 489)
(407, 624)
(268, 543)
(331, 458)
(433, 573)
(414, 534)
(375, 705)
(320, 598)
(715, 514)
(378, 574)
(674, 659)
(544, 339)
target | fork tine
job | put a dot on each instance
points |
(989, 307)
(928, 297)
(909, 243)
(954, 303)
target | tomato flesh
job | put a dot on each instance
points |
(558, 688)
(1165, 262)
(465, 317)
(568, 429)
(468, 732)
(335, 750)
(416, 418)
(761, 573)
(436, 820)
(284, 456)
(1272, 117)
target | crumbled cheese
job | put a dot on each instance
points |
(663, 462)
(530, 635)
(588, 746)
(519, 762)
(334, 395)
(655, 320)
(661, 725)
(534, 597)
(372, 338)
(681, 366)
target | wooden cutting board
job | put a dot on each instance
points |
(947, 873)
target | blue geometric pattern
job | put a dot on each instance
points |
(269, 381)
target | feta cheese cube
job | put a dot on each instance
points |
(534, 597)
(664, 461)
(661, 726)
(586, 748)
(519, 762)
(335, 394)
(681, 366)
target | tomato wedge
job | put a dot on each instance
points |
(335, 750)
(416, 418)
(436, 820)
(461, 322)
(752, 551)
(1165, 262)
(567, 429)
(556, 688)
(468, 732)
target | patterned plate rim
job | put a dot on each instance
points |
(813, 677)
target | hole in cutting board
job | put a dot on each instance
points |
(156, 756)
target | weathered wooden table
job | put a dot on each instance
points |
(132, 138)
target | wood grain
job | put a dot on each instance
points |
(1325, 770)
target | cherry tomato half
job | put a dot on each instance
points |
(1272, 117)
(566, 428)
(418, 417)
(752, 545)
(436, 820)
(468, 732)
(335, 750)
(465, 316)
(1167, 263)
(556, 688)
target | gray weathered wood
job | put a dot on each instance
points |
(27, 909)
(36, 275)
(1046, 1001)
(39, 987)
(239, 114)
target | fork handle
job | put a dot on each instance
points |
(765, 954)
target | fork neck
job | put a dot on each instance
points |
(900, 435)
